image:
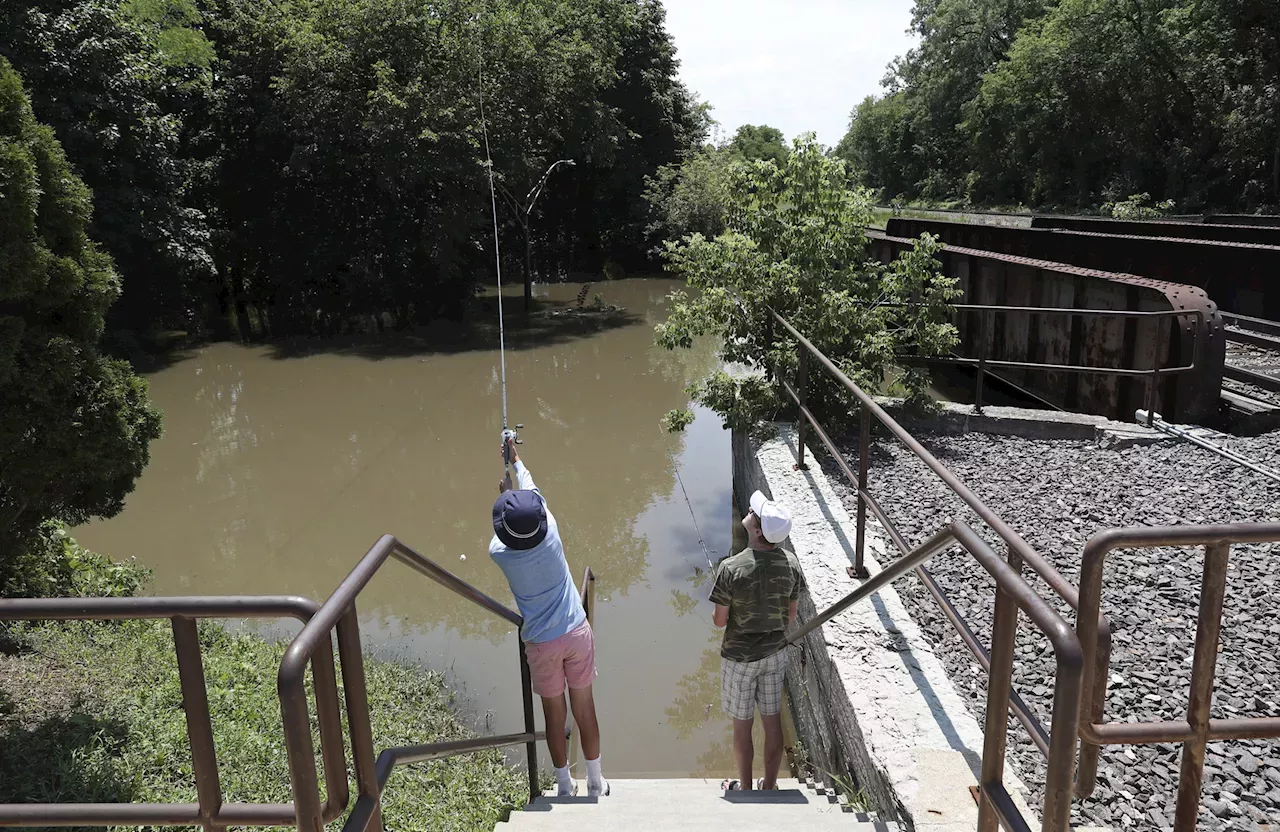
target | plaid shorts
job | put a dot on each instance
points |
(744, 685)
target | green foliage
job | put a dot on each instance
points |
(795, 244)
(1076, 103)
(1137, 207)
(53, 565)
(74, 426)
(99, 75)
(762, 143)
(690, 197)
(676, 421)
(174, 24)
(95, 713)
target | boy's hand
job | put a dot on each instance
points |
(510, 454)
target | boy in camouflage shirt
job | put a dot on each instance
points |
(755, 593)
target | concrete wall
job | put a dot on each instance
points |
(992, 270)
(869, 695)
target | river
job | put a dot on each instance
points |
(281, 465)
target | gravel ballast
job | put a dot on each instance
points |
(1057, 494)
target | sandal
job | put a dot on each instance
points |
(731, 786)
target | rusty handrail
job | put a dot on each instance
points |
(1152, 373)
(1198, 729)
(210, 812)
(339, 611)
(1058, 747)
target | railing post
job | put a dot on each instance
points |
(1213, 587)
(983, 317)
(802, 424)
(195, 703)
(1004, 634)
(526, 687)
(1153, 382)
(358, 718)
(864, 462)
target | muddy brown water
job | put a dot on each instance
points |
(281, 465)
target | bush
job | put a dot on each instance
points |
(55, 565)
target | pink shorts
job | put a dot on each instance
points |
(570, 658)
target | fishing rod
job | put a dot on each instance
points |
(508, 434)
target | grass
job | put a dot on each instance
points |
(93, 713)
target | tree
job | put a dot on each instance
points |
(763, 143)
(74, 427)
(1075, 103)
(795, 244)
(691, 197)
(112, 81)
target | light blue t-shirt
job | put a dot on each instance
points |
(540, 579)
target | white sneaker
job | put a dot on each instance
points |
(602, 790)
(572, 791)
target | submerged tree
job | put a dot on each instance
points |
(74, 426)
(795, 244)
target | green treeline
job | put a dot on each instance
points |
(284, 167)
(1073, 103)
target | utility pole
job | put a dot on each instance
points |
(523, 211)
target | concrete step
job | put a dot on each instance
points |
(668, 805)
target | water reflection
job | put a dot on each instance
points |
(281, 465)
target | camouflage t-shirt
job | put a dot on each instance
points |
(758, 588)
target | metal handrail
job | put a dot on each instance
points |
(1198, 729)
(210, 812)
(339, 611)
(1152, 373)
(1057, 745)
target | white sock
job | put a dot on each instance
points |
(564, 783)
(595, 782)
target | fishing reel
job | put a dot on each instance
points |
(508, 433)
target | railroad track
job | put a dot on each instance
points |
(1251, 376)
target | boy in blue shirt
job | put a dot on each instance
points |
(558, 639)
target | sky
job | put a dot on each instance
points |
(798, 65)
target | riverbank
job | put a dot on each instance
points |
(92, 712)
(1059, 493)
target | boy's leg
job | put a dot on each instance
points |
(744, 752)
(738, 699)
(554, 714)
(546, 672)
(772, 749)
(584, 713)
(773, 672)
(580, 672)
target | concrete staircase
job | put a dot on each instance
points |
(669, 805)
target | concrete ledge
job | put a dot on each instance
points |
(1027, 423)
(870, 696)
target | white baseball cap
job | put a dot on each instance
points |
(775, 520)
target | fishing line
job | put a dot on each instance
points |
(497, 256)
(507, 433)
(701, 542)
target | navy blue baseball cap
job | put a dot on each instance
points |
(520, 519)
